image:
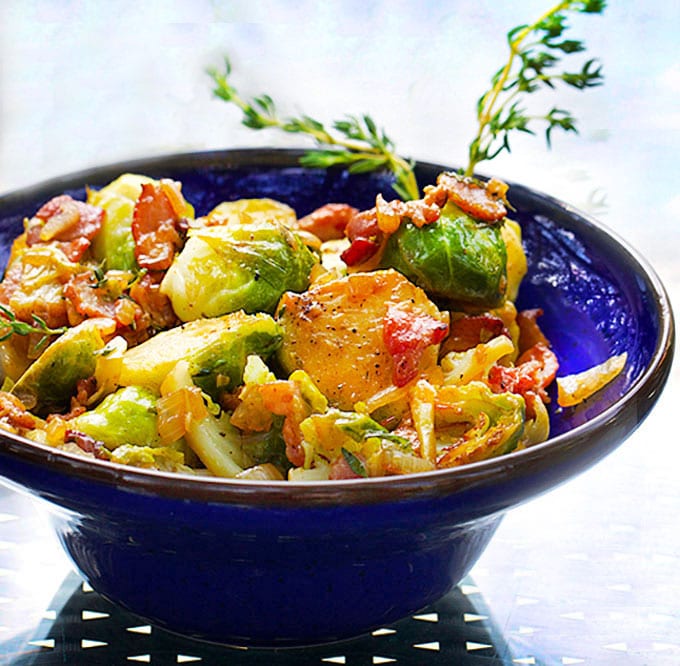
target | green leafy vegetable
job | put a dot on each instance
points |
(457, 260)
(535, 51)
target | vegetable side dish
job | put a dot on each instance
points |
(255, 344)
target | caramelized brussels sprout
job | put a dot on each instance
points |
(216, 350)
(341, 332)
(457, 260)
(127, 416)
(244, 264)
(255, 209)
(51, 380)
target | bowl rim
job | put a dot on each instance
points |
(346, 492)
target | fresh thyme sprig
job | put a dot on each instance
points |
(10, 325)
(535, 51)
(355, 142)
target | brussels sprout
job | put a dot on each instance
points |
(216, 350)
(244, 265)
(472, 423)
(51, 380)
(256, 209)
(127, 416)
(114, 245)
(162, 458)
(337, 332)
(456, 260)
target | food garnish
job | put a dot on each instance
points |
(357, 143)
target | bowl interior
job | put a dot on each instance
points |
(598, 297)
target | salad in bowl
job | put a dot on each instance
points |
(250, 341)
(323, 490)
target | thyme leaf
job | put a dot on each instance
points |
(10, 325)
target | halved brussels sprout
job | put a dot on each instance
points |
(457, 260)
(244, 264)
(127, 416)
(473, 423)
(114, 245)
(264, 209)
(337, 331)
(216, 350)
(51, 380)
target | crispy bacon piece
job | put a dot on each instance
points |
(68, 223)
(87, 444)
(535, 370)
(86, 299)
(407, 335)
(157, 227)
(87, 296)
(329, 221)
(367, 230)
(139, 309)
(530, 332)
(469, 331)
(391, 213)
(85, 388)
(14, 414)
(365, 237)
(146, 292)
(485, 203)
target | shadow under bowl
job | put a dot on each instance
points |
(283, 564)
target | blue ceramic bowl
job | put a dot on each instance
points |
(279, 564)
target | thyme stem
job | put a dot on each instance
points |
(498, 112)
(356, 142)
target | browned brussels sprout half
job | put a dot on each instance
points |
(457, 260)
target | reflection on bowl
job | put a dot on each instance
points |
(240, 562)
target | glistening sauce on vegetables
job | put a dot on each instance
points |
(250, 343)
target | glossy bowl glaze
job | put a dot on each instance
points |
(278, 564)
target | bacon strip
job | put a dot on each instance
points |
(407, 335)
(66, 222)
(328, 222)
(156, 228)
(535, 370)
(485, 203)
